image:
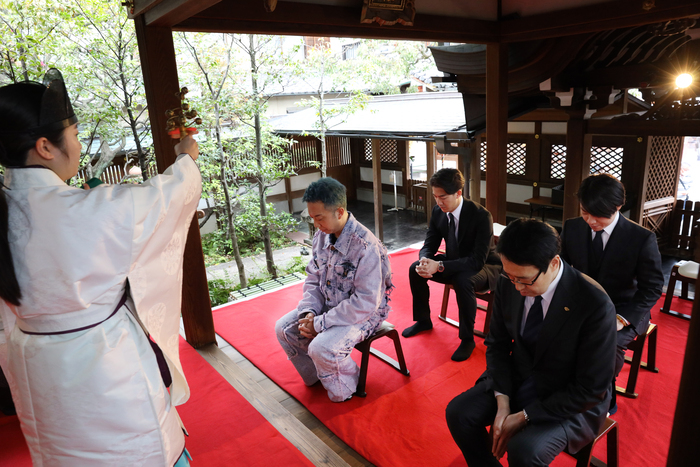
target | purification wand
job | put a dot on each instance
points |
(177, 122)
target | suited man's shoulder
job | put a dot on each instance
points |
(588, 289)
(634, 228)
(474, 209)
(575, 223)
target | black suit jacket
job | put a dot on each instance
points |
(630, 271)
(574, 361)
(475, 239)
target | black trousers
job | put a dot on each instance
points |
(624, 337)
(471, 412)
(465, 285)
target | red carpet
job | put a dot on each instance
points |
(401, 422)
(14, 452)
(224, 428)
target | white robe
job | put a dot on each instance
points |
(96, 397)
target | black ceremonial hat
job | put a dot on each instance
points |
(56, 110)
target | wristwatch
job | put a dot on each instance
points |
(441, 267)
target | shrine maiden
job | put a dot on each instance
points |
(78, 270)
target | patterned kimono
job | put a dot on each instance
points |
(84, 377)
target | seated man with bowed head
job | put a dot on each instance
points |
(346, 294)
(470, 263)
(621, 255)
(549, 358)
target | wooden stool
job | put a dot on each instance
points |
(687, 273)
(636, 346)
(487, 296)
(584, 457)
(386, 329)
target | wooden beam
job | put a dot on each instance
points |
(635, 127)
(430, 162)
(292, 18)
(377, 190)
(578, 162)
(496, 130)
(615, 14)
(171, 12)
(161, 84)
(142, 6)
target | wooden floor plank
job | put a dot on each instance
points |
(289, 426)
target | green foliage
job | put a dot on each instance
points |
(220, 289)
(298, 264)
(249, 224)
(216, 248)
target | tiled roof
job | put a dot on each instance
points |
(418, 114)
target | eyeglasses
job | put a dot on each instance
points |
(521, 282)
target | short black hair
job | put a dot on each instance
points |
(450, 180)
(601, 194)
(529, 242)
(329, 191)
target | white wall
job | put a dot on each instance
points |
(521, 128)
(365, 194)
(366, 175)
(553, 128)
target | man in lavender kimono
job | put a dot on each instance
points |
(346, 294)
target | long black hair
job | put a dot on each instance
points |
(20, 107)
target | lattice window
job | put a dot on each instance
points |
(388, 150)
(607, 160)
(482, 157)
(303, 152)
(338, 151)
(516, 158)
(557, 168)
(661, 181)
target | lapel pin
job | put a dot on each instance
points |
(566, 308)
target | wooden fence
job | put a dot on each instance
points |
(114, 174)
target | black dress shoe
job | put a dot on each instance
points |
(464, 351)
(417, 327)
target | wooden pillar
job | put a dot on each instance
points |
(686, 430)
(288, 193)
(161, 83)
(464, 155)
(638, 213)
(578, 162)
(430, 162)
(404, 162)
(377, 190)
(535, 159)
(496, 129)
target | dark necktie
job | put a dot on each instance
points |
(451, 244)
(595, 255)
(533, 325)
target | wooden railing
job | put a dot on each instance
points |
(685, 229)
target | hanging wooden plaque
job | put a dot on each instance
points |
(388, 12)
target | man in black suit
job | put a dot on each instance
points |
(470, 263)
(549, 358)
(619, 254)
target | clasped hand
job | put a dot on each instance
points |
(426, 268)
(504, 427)
(306, 326)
